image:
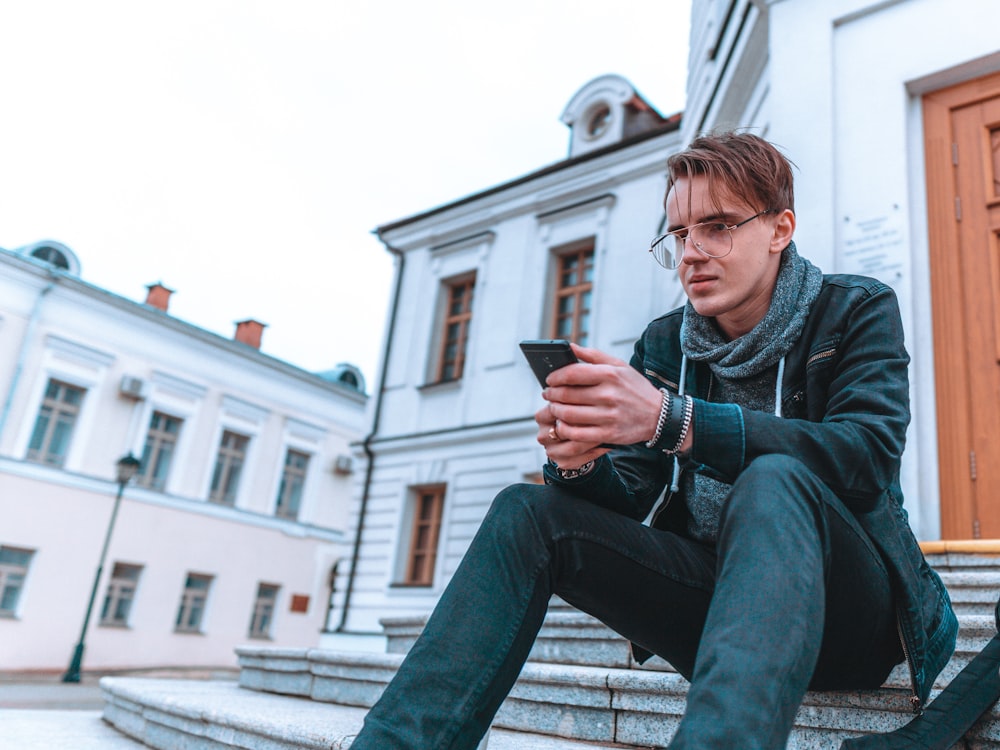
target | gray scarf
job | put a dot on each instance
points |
(797, 287)
(742, 368)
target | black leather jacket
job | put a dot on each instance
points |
(845, 409)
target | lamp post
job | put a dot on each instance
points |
(127, 467)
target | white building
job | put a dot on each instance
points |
(891, 112)
(560, 253)
(230, 530)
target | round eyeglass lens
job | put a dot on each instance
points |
(667, 251)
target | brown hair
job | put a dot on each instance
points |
(742, 164)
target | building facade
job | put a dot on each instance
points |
(889, 111)
(230, 530)
(560, 253)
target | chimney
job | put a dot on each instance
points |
(249, 332)
(158, 296)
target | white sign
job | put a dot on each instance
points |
(874, 246)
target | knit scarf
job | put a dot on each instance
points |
(795, 290)
(742, 368)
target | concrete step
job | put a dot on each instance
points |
(218, 715)
(579, 688)
(572, 637)
(973, 590)
(596, 704)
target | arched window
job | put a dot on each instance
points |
(51, 255)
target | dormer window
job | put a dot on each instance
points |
(605, 112)
(598, 120)
(51, 255)
(55, 254)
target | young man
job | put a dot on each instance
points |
(767, 417)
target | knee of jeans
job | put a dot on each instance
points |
(772, 485)
(519, 503)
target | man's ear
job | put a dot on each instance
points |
(784, 228)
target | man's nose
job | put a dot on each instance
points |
(690, 253)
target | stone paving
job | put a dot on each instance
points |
(42, 713)
(60, 729)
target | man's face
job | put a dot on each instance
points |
(736, 289)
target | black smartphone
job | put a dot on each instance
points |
(546, 355)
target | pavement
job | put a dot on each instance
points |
(40, 712)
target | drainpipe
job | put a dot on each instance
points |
(22, 355)
(366, 491)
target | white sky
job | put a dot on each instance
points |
(241, 152)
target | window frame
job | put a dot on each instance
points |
(193, 599)
(42, 454)
(264, 609)
(420, 560)
(292, 477)
(222, 488)
(121, 588)
(152, 455)
(462, 319)
(584, 252)
(10, 570)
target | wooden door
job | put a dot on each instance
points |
(962, 142)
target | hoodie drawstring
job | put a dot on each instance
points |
(676, 476)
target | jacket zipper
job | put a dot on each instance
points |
(826, 354)
(653, 374)
(915, 702)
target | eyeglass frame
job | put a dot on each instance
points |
(687, 230)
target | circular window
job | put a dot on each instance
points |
(51, 255)
(598, 120)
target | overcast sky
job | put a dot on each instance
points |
(242, 152)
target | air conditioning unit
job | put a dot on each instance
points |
(132, 387)
(343, 465)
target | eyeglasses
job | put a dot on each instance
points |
(710, 238)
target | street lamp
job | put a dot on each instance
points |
(127, 468)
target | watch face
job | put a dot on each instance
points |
(598, 121)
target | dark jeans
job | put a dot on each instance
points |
(793, 595)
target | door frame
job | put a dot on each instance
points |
(953, 398)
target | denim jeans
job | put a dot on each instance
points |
(792, 596)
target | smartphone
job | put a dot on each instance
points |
(546, 355)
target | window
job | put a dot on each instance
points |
(228, 466)
(573, 292)
(51, 255)
(455, 328)
(193, 600)
(13, 570)
(263, 610)
(428, 504)
(161, 440)
(293, 478)
(54, 426)
(121, 593)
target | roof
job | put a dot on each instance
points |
(671, 124)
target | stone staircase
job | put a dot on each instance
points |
(580, 689)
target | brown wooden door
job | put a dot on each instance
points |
(962, 142)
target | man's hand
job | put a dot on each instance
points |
(600, 400)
